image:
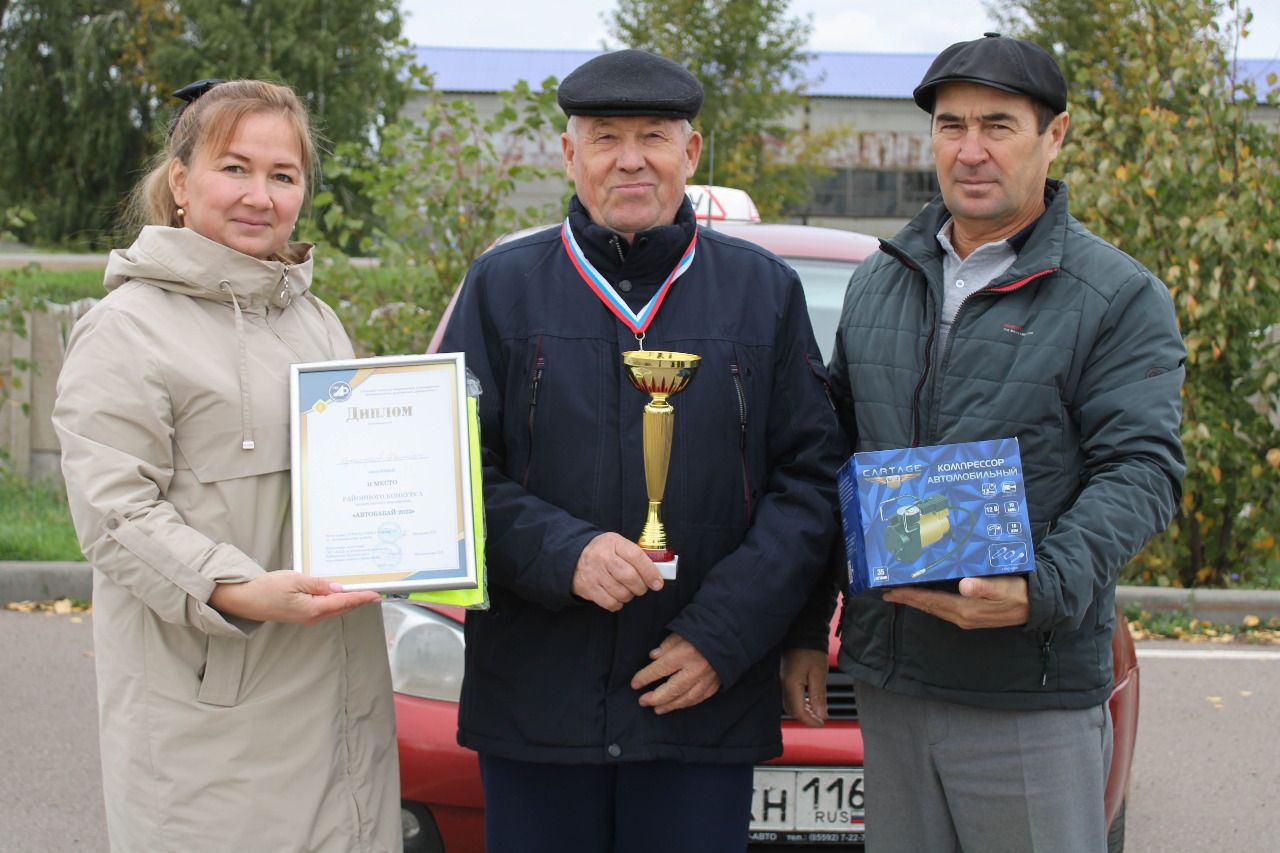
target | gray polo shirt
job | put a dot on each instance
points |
(963, 277)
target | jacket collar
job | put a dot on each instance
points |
(916, 245)
(181, 261)
(649, 260)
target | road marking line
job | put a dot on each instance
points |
(1209, 654)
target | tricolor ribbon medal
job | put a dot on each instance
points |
(636, 322)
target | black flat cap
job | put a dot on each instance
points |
(630, 83)
(1010, 64)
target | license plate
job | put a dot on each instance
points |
(807, 805)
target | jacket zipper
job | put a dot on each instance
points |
(1004, 288)
(736, 373)
(955, 322)
(894, 640)
(915, 398)
(538, 364)
(1045, 644)
(287, 299)
(892, 250)
(826, 385)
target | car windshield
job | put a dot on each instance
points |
(824, 285)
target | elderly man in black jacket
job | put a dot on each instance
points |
(613, 708)
(994, 313)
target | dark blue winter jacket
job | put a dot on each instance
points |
(748, 504)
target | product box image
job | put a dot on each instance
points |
(927, 514)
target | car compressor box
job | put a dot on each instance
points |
(928, 514)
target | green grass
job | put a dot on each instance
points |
(60, 285)
(34, 522)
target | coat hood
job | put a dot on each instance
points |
(181, 261)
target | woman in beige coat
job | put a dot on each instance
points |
(241, 708)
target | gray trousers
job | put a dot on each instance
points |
(944, 777)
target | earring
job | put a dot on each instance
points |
(182, 213)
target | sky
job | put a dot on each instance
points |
(839, 25)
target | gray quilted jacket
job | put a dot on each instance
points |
(1075, 350)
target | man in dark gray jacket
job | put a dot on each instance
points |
(995, 313)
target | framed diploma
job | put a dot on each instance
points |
(382, 473)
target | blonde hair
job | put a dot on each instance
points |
(208, 124)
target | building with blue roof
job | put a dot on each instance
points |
(880, 176)
(832, 74)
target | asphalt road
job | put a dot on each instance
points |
(50, 776)
(1207, 768)
(1205, 775)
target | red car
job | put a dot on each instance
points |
(809, 797)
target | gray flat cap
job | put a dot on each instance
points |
(1013, 65)
(630, 83)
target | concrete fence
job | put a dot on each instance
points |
(26, 427)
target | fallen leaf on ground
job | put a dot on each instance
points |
(61, 606)
(1252, 630)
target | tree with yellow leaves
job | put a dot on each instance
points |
(1175, 161)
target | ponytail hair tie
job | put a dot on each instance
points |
(188, 94)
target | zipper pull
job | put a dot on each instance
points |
(537, 379)
(538, 363)
(1044, 658)
(742, 405)
(285, 296)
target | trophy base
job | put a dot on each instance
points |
(666, 561)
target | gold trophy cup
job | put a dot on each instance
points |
(658, 374)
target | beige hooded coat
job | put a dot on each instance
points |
(217, 734)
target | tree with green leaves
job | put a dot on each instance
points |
(76, 110)
(437, 192)
(750, 57)
(1170, 167)
(85, 84)
(342, 57)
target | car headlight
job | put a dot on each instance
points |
(425, 650)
